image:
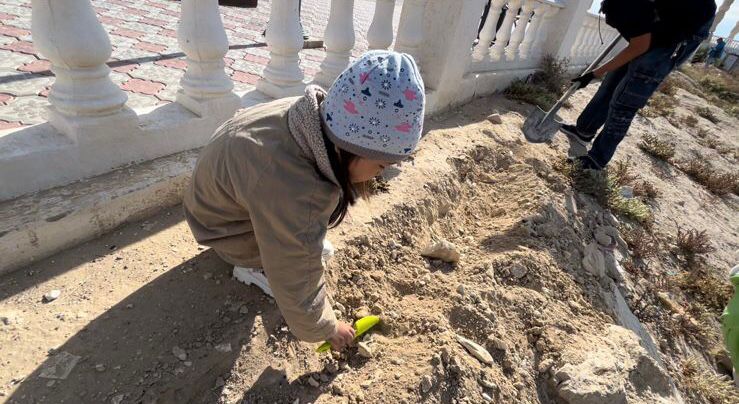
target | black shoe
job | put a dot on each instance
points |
(572, 132)
(587, 163)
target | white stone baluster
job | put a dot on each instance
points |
(410, 30)
(206, 89)
(68, 33)
(518, 33)
(339, 40)
(577, 49)
(504, 33)
(282, 77)
(487, 34)
(544, 29)
(380, 32)
(532, 33)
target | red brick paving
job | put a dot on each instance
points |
(168, 32)
(173, 63)
(151, 47)
(13, 31)
(20, 46)
(5, 98)
(153, 21)
(37, 66)
(125, 68)
(9, 125)
(128, 33)
(110, 20)
(256, 59)
(142, 86)
(244, 77)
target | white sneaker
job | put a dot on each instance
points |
(251, 276)
(328, 250)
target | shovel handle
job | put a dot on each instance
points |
(574, 86)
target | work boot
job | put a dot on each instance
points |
(253, 276)
(578, 142)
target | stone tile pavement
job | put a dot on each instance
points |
(146, 60)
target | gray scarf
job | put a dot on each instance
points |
(304, 122)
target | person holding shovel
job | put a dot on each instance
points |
(274, 178)
(661, 35)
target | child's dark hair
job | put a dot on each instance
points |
(340, 160)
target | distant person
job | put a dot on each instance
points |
(274, 178)
(715, 53)
(662, 34)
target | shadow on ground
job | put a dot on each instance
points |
(128, 350)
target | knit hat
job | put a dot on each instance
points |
(375, 108)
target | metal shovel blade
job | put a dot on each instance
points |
(537, 129)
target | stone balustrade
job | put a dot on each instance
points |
(593, 36)
(512, 29)
(90, 132)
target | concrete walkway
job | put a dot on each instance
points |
(146, 61)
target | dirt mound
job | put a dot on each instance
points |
(534, 273)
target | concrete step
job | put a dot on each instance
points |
(38, 225)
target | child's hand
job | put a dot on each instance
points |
(343, 337)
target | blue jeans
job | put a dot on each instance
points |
(626, 90)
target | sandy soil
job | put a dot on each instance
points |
(129, 298)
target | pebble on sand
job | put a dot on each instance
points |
(179, 353)
(53, 295)
(495, 119)
(442, 250)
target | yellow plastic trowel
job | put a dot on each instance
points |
(361, 326)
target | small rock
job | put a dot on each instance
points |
(117, 399)
(545, 365)
(460, 289)
(179, 353)
(519, 271)
(365, 384)
(602, 237)
(426, 384)
(207, 276)
(497, 343)
(594, 261)
(51, 296)
(324, 378)
(313, 382)
(59, 366)
(100, 367)
(487, 398)
(243, 309)
(224, 347)
(220, 382)
(332, 367)
(611, 219)
(364, 350)
(627, 191)
(361, 312)
(487, 383)
(51, 383)
(396, 361)
(476, 350)
(495, 119)
(571, 204)
(442, 250)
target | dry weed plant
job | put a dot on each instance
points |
(705, 385)
(692, 243)
(654, 146)
(718, 183)
(706, 112)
